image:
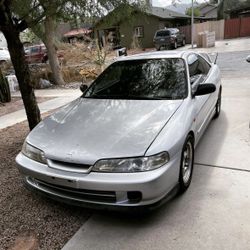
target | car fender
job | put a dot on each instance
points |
(172, 136)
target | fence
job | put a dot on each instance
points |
(238, 27)
(224, 29)
(216, 26)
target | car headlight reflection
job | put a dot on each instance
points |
(130, 165)
(34, 153)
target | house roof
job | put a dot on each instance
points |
(162, 13)
(207, 10)
(165, 13)
(77, 32)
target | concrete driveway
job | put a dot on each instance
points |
(214, 213)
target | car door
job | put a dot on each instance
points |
(199, 72)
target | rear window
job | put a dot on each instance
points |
(163, 33)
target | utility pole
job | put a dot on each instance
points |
(192, 25)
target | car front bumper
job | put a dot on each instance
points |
(108, 189)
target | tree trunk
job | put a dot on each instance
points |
(16, 50)
(49, 41)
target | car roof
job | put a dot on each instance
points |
(156, 55)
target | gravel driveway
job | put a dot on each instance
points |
(23, 213)
(17, 104)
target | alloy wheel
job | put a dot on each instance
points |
(187, 162)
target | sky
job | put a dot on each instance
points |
(165, 3)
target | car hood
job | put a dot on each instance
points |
(90, 129)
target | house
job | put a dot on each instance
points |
(239, 12)
(233, 9)
(208, 11)
(126, 25)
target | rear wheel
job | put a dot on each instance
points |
(218, 106)
(183, 42)
(175, 45)
(187, 163)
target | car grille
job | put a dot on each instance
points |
(79, 194)
(69, 166)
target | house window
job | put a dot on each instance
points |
(139, 31)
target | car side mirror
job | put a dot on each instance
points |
(248, 59)
(83, 87)
(205, 89)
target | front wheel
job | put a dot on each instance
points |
(175, 45)
(218, 106)
(187, 164)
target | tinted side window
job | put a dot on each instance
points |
(197, 67)
(34, 50)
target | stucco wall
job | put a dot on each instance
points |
(149, 24)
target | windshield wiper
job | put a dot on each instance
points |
(129, 97)
(150, 98)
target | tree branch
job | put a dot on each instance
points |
(21, 26)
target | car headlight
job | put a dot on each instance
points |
(34, 153)
(130, 165)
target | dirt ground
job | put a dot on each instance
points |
(17, 104)
(26, 218)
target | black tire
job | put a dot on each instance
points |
(218, 105)
(175, 45)
(45, 59)
(185, 178)
(183, 42)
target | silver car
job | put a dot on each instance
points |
(129, 140)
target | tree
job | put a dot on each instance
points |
(227, 5)
(15, 17)
(56, 10)
(196, 12)
(41, 17)
(11, 28)
(28, 36)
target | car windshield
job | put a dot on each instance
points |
(141, 79)
(163, 33)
